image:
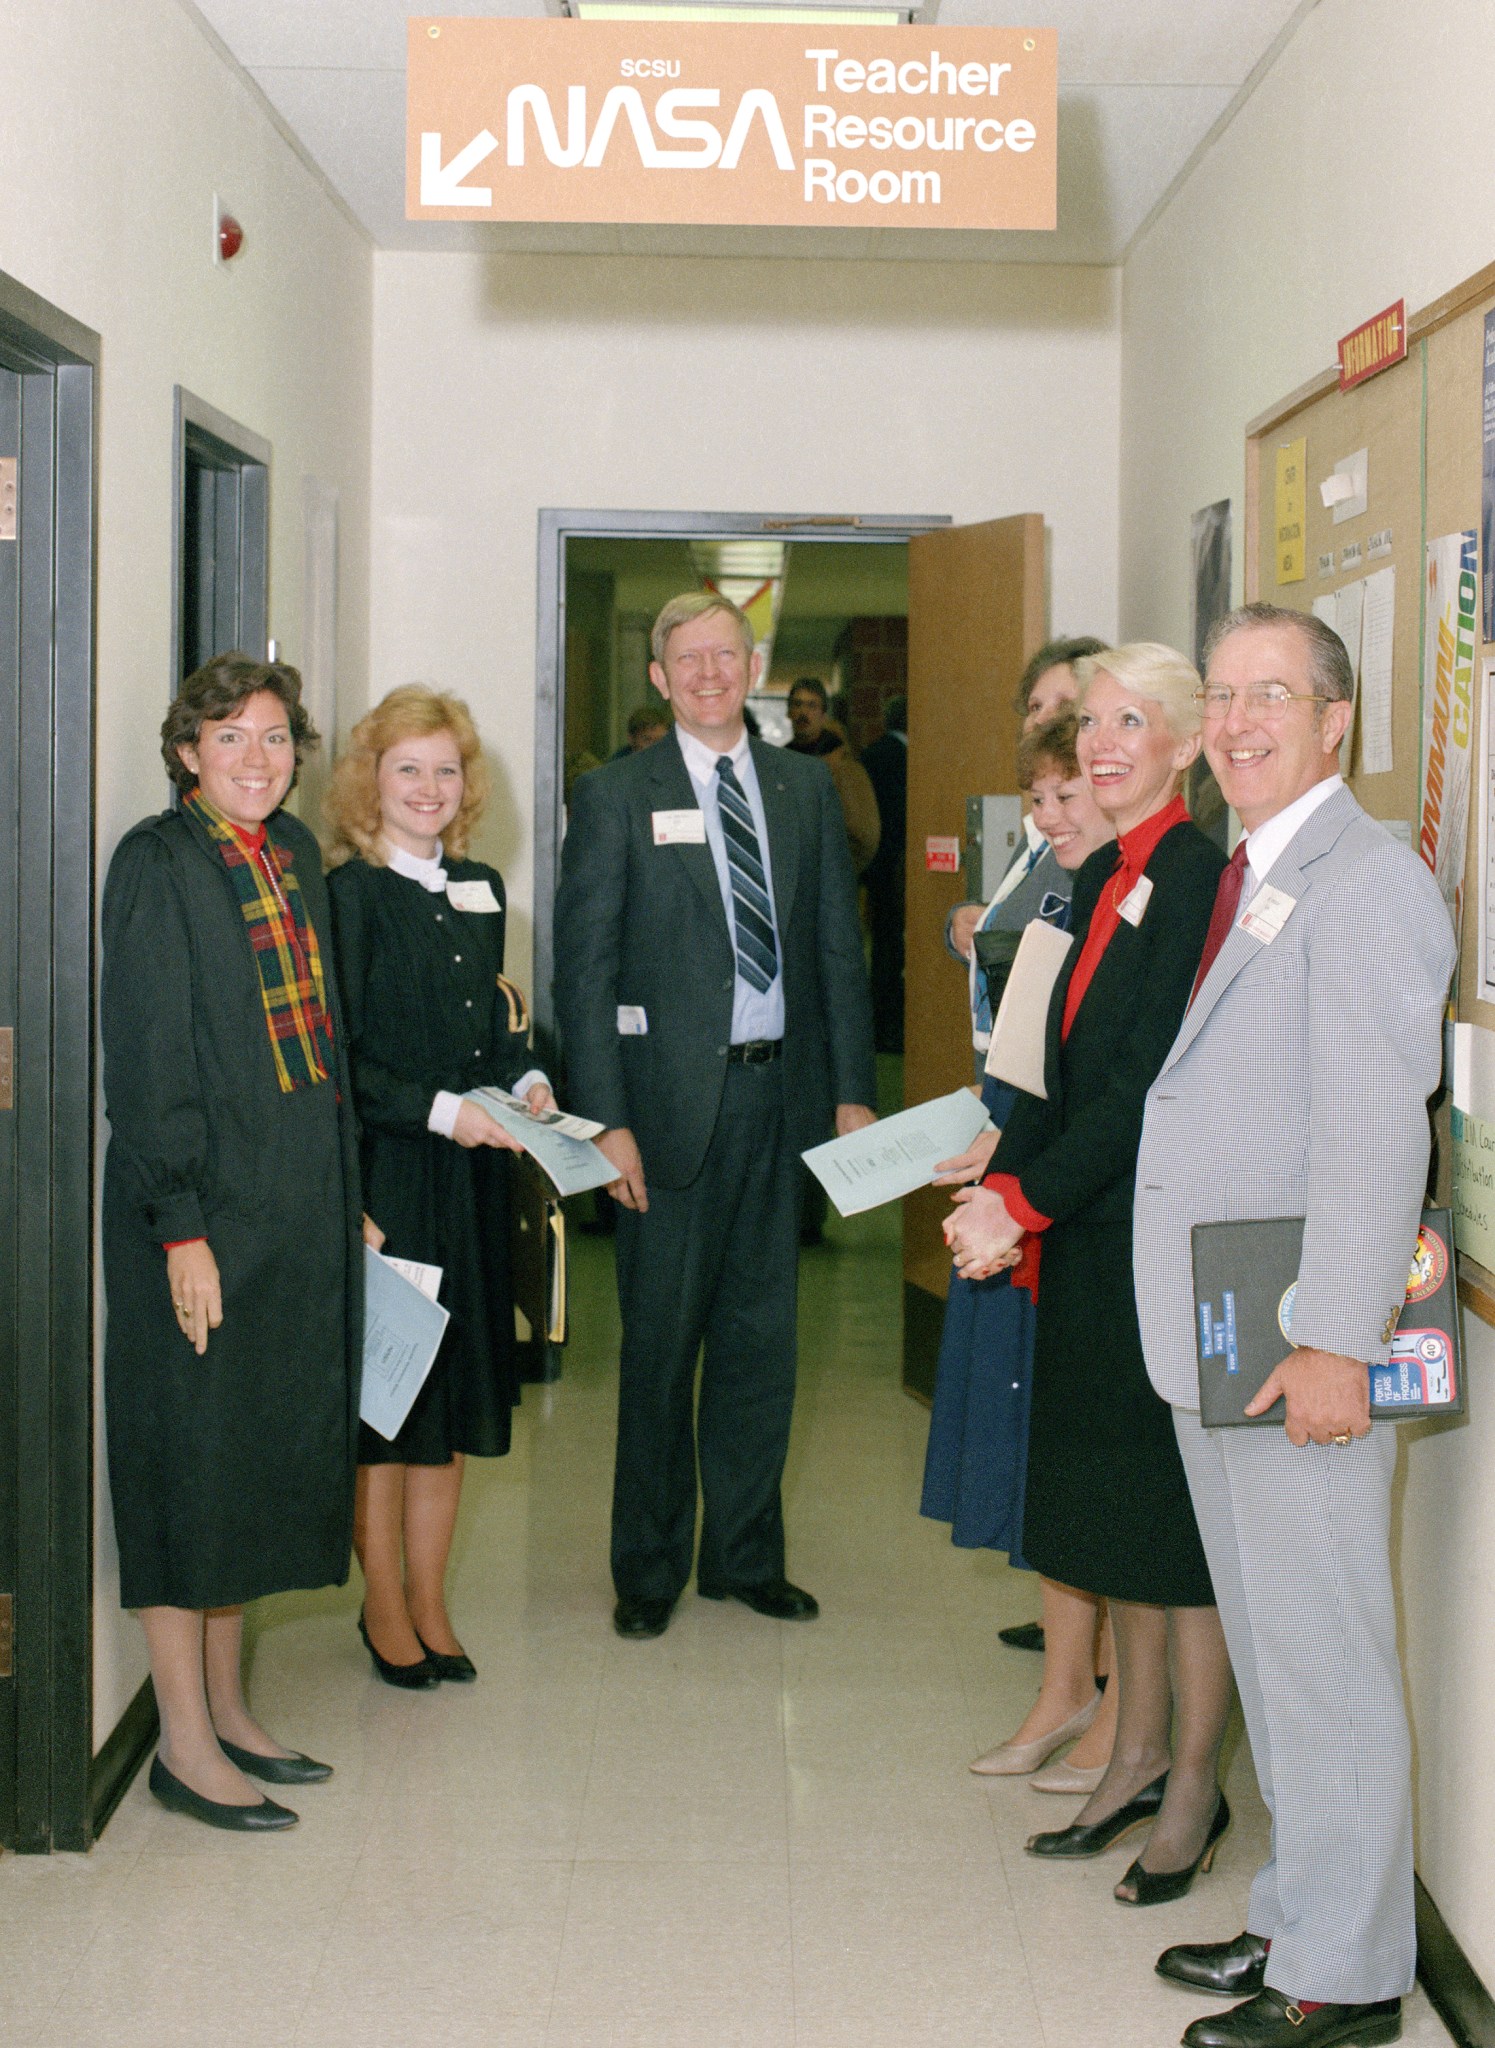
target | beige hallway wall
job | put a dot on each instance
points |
(120, 122)
(505, 385)
(1362, 170)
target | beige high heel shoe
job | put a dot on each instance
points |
(1017, 1759)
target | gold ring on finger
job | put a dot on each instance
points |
(1342, 1438)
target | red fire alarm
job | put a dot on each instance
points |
(228, 235)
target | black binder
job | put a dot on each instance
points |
(1245, 1280)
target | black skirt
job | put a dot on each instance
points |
(1107, 1508)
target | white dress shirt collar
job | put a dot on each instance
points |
(1271, 839)
(429, 873)
(701, 760)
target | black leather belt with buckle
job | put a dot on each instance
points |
(754, 1052)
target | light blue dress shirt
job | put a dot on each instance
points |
(755, 1013)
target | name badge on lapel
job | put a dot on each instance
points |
(1135, 901)
(679, 828)
(472, 896)
(1266, 913)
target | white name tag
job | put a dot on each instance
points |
(679, 828)
(1135, 901)
(1266, 913)
(472, 896)
(632, 1022)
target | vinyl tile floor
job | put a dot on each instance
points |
(746, 1834)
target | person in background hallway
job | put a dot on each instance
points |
(885, 761)
(1298, 1086)
(812, 735)
(419, 931)
(713, 1002)
(1046, 685)
(977, 1454)
(232, 1258)
(647, 726)
(1107, 1506)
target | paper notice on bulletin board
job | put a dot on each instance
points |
(1292, 511)
(1450, 625)
(1487, 493)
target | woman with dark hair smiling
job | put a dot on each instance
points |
(232, 1261)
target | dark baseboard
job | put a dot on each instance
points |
(113, 1769)
(923, 1326)
(1450, 1980)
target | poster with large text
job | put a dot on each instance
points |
(729, 123)
(1448, 649)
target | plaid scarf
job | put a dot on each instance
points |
(292, 987)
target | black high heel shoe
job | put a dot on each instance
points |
(411, 1677)
(1157, 1887)
(458, 1670)
(1091, 1838)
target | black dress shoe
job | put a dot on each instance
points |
(458, 1670)
(774, 1597)
(1159, 1887)
(1023, 1635)
(276, 1770)
(640, 1619)
(1271, 2021)
(236, 1820)
(1090, 1838)
(409, 1677)
(1234, 1969)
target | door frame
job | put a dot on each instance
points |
(556, 527)
(55, 1093)
(200, 427)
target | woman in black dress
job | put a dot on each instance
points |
(1107, 1505)
(419, 932)
(231, 1227)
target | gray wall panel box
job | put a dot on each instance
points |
(994, 825)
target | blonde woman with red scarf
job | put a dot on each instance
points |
(1107, 1506)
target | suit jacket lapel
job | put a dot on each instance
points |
(1291, 874)
(671, 789)
(781, 817)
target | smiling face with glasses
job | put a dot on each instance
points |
(1269, 735)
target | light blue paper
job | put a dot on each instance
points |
(572, 1164)
(402, 1332)
(889, 1159)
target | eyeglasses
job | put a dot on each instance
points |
(1262, 700)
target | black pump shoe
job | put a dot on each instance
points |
(236, 1820)
(1089, 1839)
(1157, 1887)
(411, 1677)
(458, 1670)
(276, 1770)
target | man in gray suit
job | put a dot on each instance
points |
(1298, 1086)
(712, 998)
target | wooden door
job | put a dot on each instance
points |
(975, 614)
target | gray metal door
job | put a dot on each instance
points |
(10, 441)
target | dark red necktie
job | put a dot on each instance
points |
(1227, 900)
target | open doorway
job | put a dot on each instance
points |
(829, 596)
(221, 538)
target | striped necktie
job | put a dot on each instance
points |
(752, 913)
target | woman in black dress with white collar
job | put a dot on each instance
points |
(419, 936)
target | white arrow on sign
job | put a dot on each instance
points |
(441, 184)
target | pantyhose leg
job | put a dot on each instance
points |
(432, 1496)
(378, 1519)
(1069, 1625)
(1202, 1687)
(223, 1669)
(175, 1637)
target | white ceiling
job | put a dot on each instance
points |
(1142, 83)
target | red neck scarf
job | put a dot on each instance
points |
(1134, 850)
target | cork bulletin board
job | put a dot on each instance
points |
(1420, 425)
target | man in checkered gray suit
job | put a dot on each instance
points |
(1298, 1086)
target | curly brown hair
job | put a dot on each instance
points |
(414, 711)
(216, 691)
(1051, 747)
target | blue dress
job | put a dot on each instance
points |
(976, 1463)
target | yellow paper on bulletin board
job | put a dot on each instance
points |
(1292, 511)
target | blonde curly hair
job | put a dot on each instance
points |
(414, 711)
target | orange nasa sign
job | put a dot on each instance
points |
(731, 124)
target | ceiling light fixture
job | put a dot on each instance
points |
(828, 13)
